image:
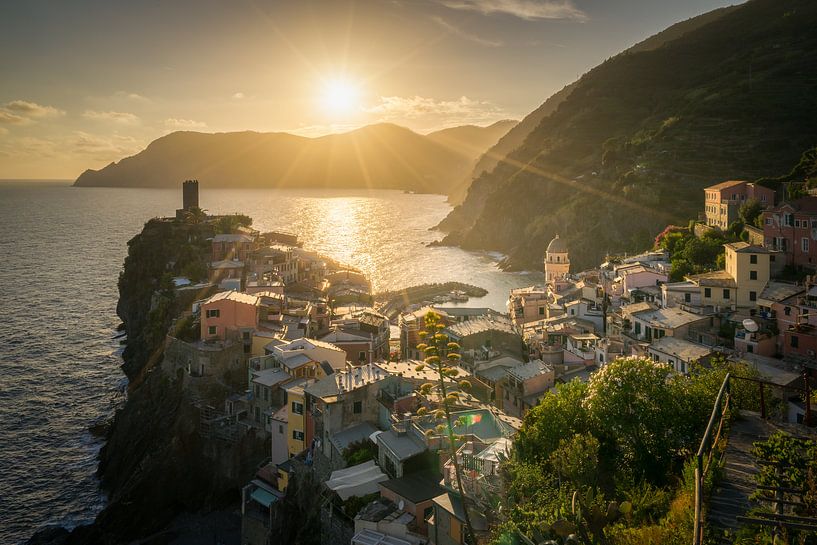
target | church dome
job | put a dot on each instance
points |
(557, 246)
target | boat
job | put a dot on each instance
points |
(458, 295)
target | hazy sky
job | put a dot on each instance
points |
(87, 82)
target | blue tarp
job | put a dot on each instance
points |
(263, 497)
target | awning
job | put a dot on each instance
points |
(263, 497)
(358, 480)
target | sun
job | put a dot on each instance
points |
(340, 96)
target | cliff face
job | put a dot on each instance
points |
(724, 96)
(155, 464)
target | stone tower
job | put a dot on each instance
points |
(557, 260)
(190, 194)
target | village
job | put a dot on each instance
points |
(334, 381)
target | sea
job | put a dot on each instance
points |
(61, 251)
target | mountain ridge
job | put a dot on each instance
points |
(639, 136)
(382, 155)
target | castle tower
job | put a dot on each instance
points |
(190, 194)
(557, 260)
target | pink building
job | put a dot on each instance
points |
(723, 201)
(791, 228)
(229, 311)
(639, 276)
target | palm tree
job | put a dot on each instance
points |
(440, 355)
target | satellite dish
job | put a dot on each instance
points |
(750, 325)
(401, 504)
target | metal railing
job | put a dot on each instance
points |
(707, 450)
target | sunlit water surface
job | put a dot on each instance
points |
(62, 249)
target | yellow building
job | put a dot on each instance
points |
(296, 424)
(747, 272)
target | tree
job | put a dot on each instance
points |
(558, 415)
(630, 403)
(194, 215)
(750, 211)
(440, 355)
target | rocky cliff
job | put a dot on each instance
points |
(155, 463)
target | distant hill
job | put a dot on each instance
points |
(472, 139)
(730, 94)
(382, 156)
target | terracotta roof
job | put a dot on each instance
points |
(231, 295)
(724, 185)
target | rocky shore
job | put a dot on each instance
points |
(155, 465)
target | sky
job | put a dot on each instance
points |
(87, 82)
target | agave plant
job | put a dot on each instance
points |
(440, 355)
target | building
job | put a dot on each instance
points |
(363, 334)
(557, 261)
(229, 313)
(232, 247)
(791, 229)
(415, 492)
(523, 387)
(738, 285)
(344, 408)
(411, 323)
(529, 304)
(723, 201)
(651, 324)
(307, 358)
(678, 353)
(492, 334)
(219, 271)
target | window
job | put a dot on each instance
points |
(708, 293)
(211, 330)
(298, 435)
(281, 429)
(361, 356)
(638, 328)
(797, 223)
(726, 294)
(427, 512)
(297, 407)
(787, 311)
(357, 407)
(541, 311)
(213, 313)
(266, 394)
(683, 367)
(687, 298)
(753, 296)
(768, 221)
(804, 245)
(258, 414)
(753, 259)
(795, 341)
(752, 275)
